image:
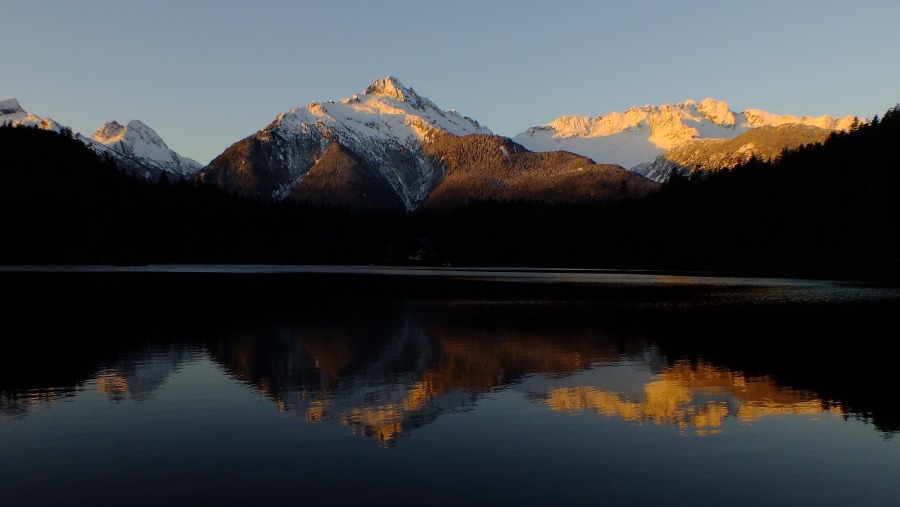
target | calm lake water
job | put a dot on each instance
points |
(341, 386)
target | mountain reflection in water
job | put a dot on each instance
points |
(431, 364)
(387, 369)
(698, 397)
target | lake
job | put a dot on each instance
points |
(256, 385)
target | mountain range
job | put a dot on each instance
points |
(651, 140)
(390, 148)
(824, 209)
(135, 147)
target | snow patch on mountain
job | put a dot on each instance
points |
(639, 135)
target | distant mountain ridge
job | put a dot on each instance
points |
(634, 139)
(137, 148)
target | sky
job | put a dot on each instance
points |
(205, 74)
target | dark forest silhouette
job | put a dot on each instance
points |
(824, 210)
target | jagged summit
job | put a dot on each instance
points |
(392, 87)
(385, 109)
(717, 111)
(10, 108)
(109, 132)
(135, 132)
(11, 112)
(140, 149)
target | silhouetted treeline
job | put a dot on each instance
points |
(60, 203)
(825, 210)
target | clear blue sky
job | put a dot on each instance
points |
(205, 74)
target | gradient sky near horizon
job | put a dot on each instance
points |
(205, 74)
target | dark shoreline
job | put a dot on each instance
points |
(82, 287)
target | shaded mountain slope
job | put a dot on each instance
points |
(485, 167)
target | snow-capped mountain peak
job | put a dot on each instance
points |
(717, 111)
(11, 110)
(12, 113)
(386, 109)
(109, 132)
(385, 126)
(392, 87)
(139, 144)
(135, 133)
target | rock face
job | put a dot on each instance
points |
(634, 139)
(390, 148)
(136, 148)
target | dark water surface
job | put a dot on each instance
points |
(264, 385)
